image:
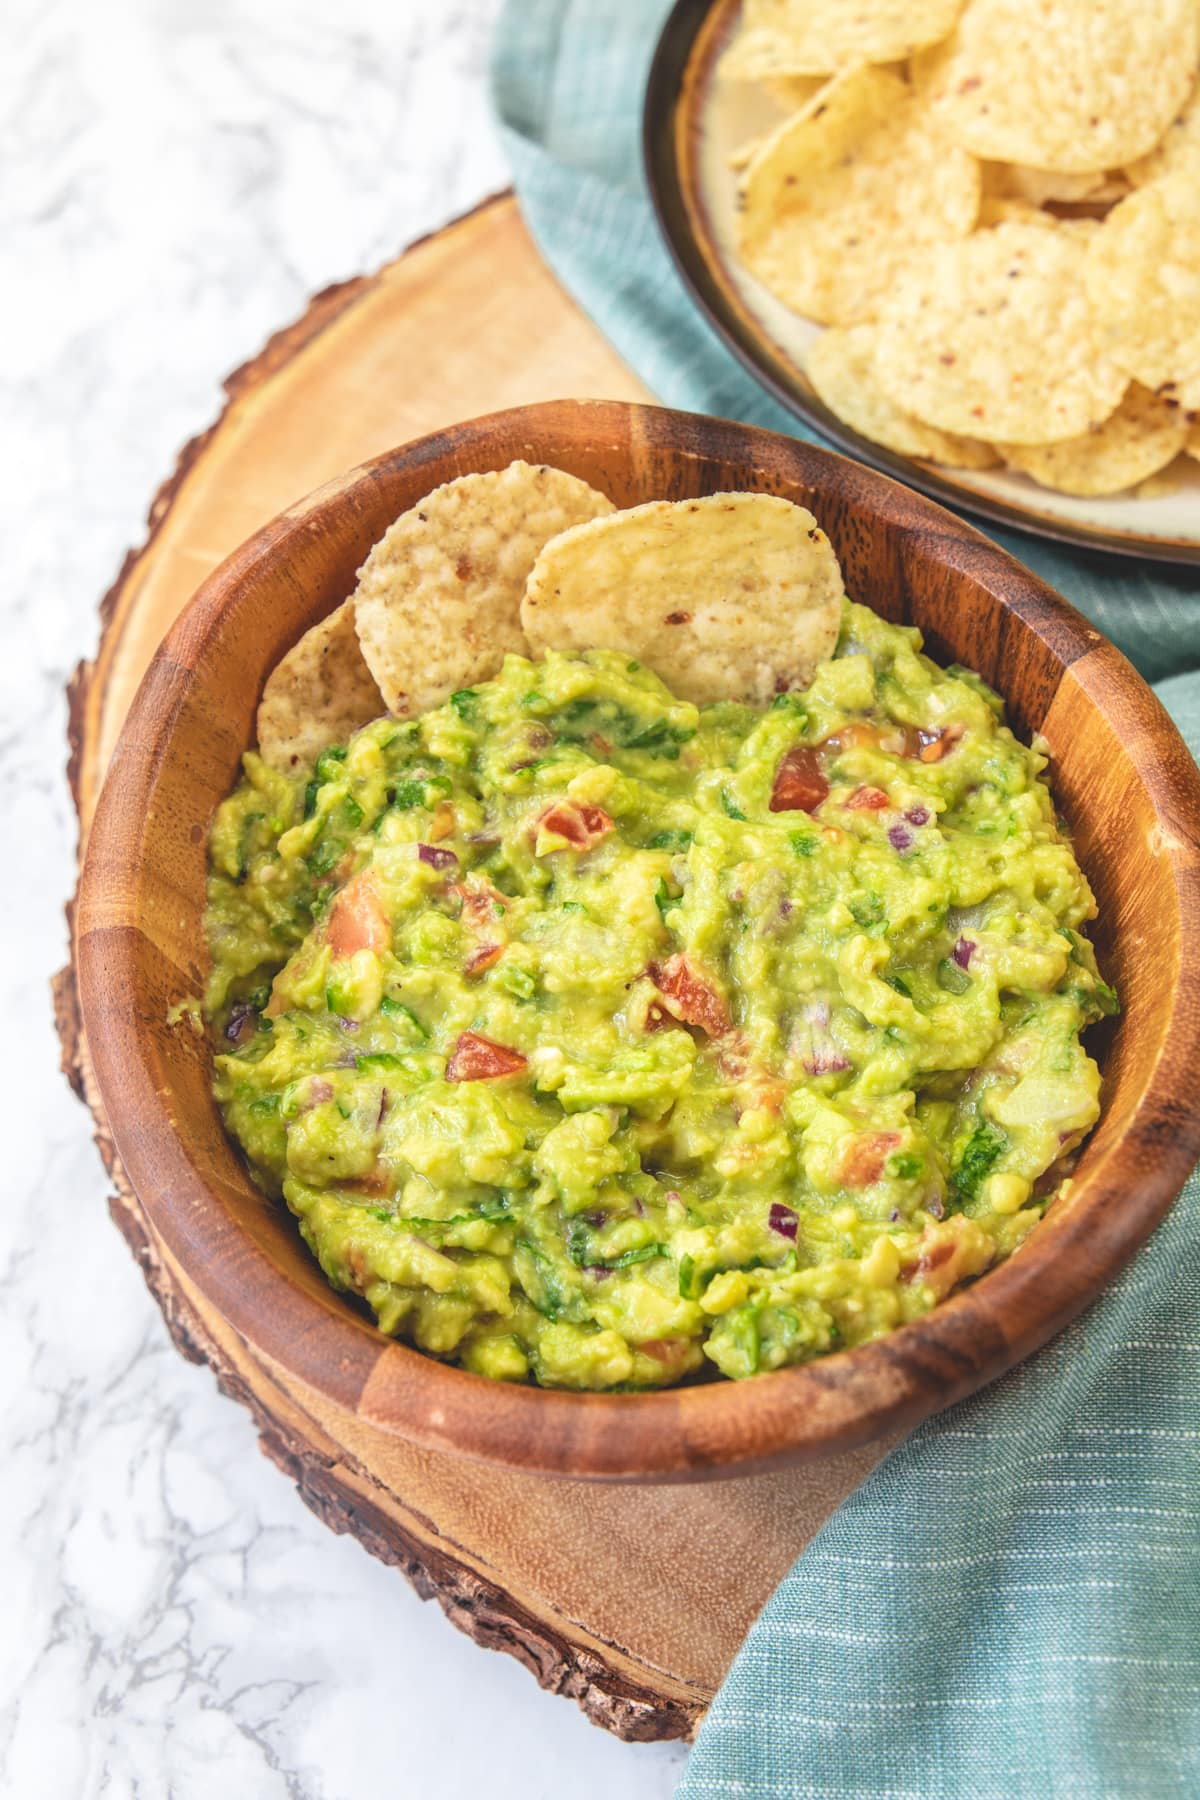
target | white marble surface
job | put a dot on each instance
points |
(175, 178)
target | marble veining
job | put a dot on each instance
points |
(176, 176)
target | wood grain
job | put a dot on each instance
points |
(1122, 773)
(641, 1662)
(533, 1566)
(466, 321)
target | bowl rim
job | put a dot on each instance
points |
(813, 1410)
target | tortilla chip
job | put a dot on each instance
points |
(319, 694)
(841, 367)
(1160, 486)
(1178, 149)
(1114, 187)
(1068, 85)
(1192, 446)
(826, 223)
(1014, 181)
(1141, 437)
(994, 338)
(791, 92)
(439, 598)
(996, 209)
(735, 596)
(744, 155)
(1143, 279)
(822, 37)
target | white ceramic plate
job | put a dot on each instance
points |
(693, 126)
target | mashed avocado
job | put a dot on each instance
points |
(597, 1039)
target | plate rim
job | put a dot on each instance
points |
(665, 84)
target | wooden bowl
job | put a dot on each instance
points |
(1121, 774)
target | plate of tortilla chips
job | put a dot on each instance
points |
(960, 238)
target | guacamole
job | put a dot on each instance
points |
(597, 1040)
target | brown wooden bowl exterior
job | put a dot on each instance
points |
(1122, 776)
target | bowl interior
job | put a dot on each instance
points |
(1122, 777)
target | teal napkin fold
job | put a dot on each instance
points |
(1009, 1607)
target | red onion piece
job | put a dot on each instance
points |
(963, 951)
(435, 858)
(783, 1219)
(820, 1052)
(900, 838)
(243, 1020)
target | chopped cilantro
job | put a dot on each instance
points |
(950, 977)
(867, 911)
(327, 855)
(328, 761)
(396, 1009)
(982, 1151)
(905, 1165)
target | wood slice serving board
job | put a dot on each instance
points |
(632, 1600)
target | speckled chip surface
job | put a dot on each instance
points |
(826, 224)
(438, 599)
(731, 596)
(821, 37)
(319, 694)
(1143, 279)
(1065, 84)
(1144, 434)
(994, 338)
(841, 367)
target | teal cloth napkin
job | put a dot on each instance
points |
(1009, 1607)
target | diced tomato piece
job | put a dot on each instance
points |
(800, 784)
(689, 997)
(851, 736)
(863, 1161)
(866, 799)
(925, 744)
(581, 826)
(932, 1257)
(357, 920)
(664, 1350)
(479, 961)
(479, 900)
(936, 744)
(476, 1058)
(736, 1062)
(947, 1253)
